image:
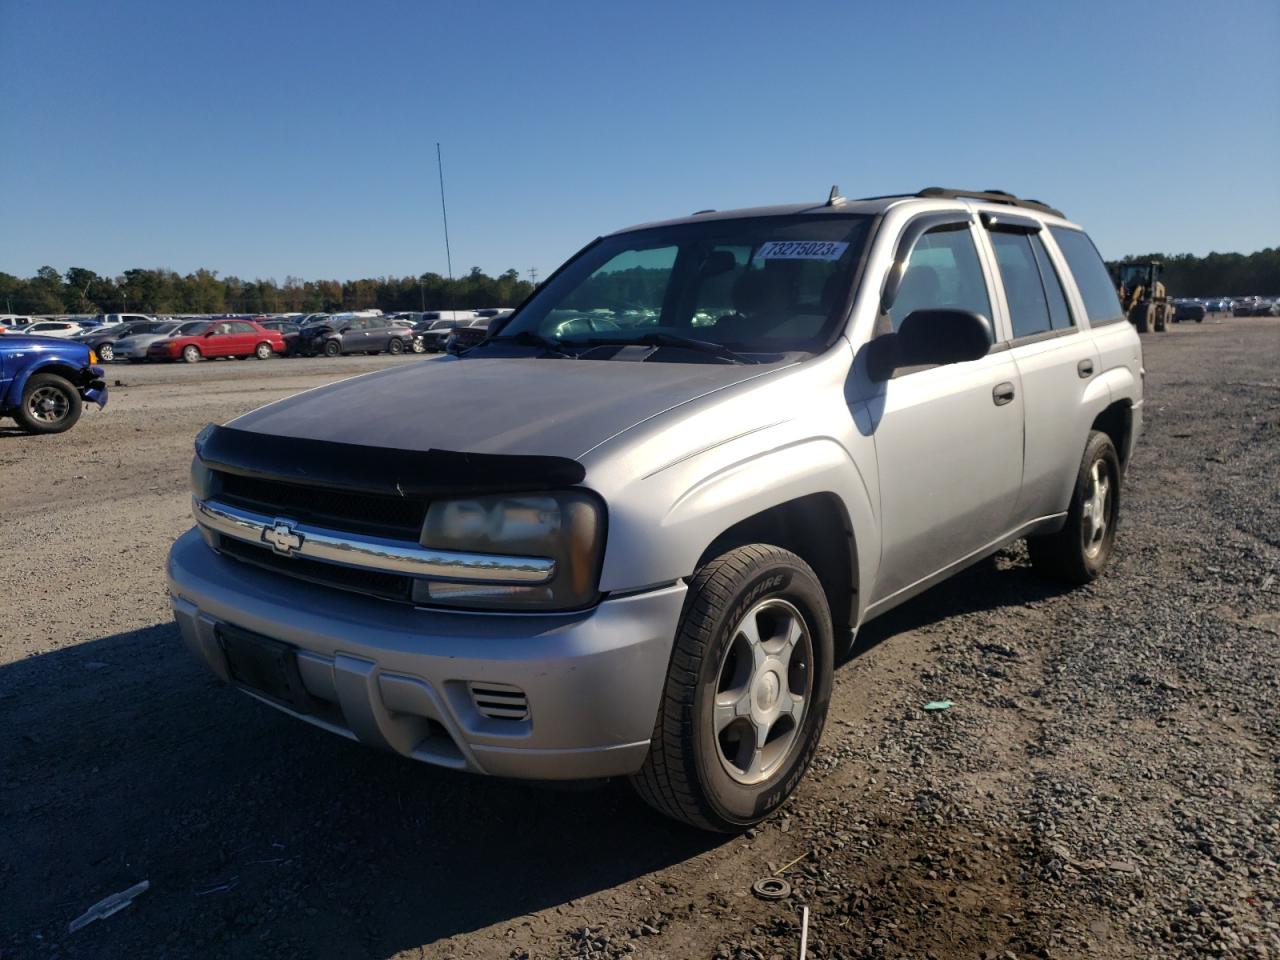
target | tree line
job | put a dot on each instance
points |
(81, 291)
(1219, 274)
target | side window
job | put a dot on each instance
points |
(943, 272)
(1059, 313)
(242, 328)
(1101, 304)
(1028, 310)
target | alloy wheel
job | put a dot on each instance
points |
(762, 691)
(48, 404)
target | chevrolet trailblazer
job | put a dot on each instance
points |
(648, 512)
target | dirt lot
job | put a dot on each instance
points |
(1105, 784)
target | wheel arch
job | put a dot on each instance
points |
(55, 366)
(816, 528)
(1116, 421)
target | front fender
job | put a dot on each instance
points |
(660, 525)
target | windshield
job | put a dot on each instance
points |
(763, 285)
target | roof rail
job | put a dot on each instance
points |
(991, 196)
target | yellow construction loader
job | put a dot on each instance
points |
(1144, 298)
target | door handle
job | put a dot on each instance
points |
(1085, 369)
(1002, 393)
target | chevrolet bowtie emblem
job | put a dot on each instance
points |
(282, 537)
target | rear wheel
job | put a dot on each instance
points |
(262, 351)
(746, 694)
(395, 346)
(191, 353)
(50, 404)
(1079, 551)
(332, 348)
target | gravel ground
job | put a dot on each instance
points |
(1105, 784)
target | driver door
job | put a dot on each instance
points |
(948, 438)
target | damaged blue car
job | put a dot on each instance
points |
(45, 382)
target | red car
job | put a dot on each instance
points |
(221, 338)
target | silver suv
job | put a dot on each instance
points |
(647, 515)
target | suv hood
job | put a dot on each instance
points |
(523, 405)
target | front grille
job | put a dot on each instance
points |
(396, 517)
(389, 586)
(500, 701)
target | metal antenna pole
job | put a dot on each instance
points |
(444, 212)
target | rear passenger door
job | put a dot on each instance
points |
(1056, 362)
(244, 337)
(379, 334)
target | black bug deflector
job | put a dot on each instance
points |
(380, 470)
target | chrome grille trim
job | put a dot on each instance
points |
(373, 553)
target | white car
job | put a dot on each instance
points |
(13, 322)
(63, 329)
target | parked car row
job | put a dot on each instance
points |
(137, 338)
(1186, 308)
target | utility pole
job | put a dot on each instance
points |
(533, 275)
(443, 211)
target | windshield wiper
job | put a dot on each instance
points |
(527, 338)
(676, 341)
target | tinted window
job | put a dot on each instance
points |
(943, 272)
(1059, 313)
(242, 328)
(1101, 304)
(1023, 290)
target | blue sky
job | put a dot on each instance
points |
(279, 137)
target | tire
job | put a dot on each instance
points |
(106, 352)
(263, 351)
(687, 774)
(395, 346)
(1199, 319)
(50, 404)
(191, 353)
(332, 348)
(1077, 553)
(418, 347)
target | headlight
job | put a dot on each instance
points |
(567, 527)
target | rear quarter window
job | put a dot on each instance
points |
(1101, 304)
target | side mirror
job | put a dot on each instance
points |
(345, 330)
(927, 338)
(210, 333)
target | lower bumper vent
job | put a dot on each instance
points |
(499, 701)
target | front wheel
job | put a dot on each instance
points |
(191, 353)
(746, 693)
(50, 404)
(418, 347)
(332, 348)
(262, 351)
(106, 353)
(1079, 551)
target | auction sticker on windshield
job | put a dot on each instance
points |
(801, 250)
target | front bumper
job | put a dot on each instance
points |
(93, 387)
(402, 678)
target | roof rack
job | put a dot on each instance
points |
(991, 196)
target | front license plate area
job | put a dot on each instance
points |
(265, 665)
